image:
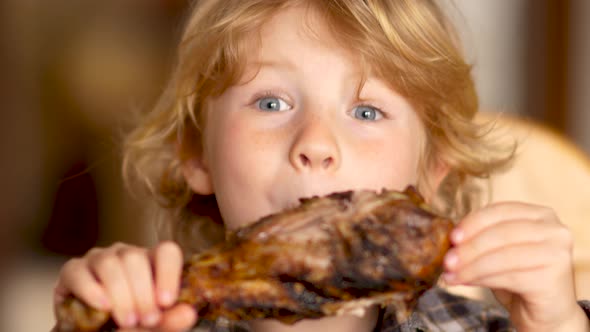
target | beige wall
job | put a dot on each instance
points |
(492, 33)
(509, 42)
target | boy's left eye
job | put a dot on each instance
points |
(272, 104)
(367, 113)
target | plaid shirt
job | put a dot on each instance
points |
(436, 311)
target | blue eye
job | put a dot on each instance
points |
(367, 113)
(272, 104)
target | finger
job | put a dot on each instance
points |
(495, 213)
(508, 233)
(76, 278)
(139, 273)
(110, 271)
(522, 282)
(178, 318)
(517, 258)
(167, 266)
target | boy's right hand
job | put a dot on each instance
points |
(139, 287)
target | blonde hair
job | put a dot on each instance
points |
(408, 43)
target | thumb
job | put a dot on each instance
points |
(180, 317)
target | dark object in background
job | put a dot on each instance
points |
(73, 226)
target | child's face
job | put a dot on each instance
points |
(297, 128)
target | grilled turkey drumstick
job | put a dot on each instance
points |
(331, 255)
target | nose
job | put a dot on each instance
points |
(315, 147)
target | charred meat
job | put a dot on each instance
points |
(331, 255)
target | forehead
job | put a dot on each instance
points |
(300, 21)
(296, 29)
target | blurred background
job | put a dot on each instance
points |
(72, 73)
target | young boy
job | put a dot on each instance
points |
(276, 100)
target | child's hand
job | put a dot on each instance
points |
(524, 254)
(138, 287)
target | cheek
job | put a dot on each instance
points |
(241, 164)
(392, 162)
(230, 152)
(397, 167)
(230, 171)
(241, 147)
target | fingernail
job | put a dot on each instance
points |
(451, 259)
(151, 319)
(165, 298)
(131, 320)
(449, 277)
(101, 303)
(104, 303)
(457, 236)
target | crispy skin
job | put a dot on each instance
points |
(329, 256)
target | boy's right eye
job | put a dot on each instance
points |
(272, 104)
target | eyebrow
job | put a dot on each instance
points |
(282, 63)
(289, 65)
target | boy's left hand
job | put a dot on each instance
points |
(524, 254)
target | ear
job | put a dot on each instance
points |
(438, 172)
(190, 151)
(196, 174)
